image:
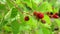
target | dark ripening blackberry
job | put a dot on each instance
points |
(51, 13)
(59, 12)
(55, 29)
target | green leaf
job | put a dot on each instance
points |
(58, 22)
(14, 12)
(21, 17)
(55, 10)
(10, 4)
(18, 1)
(53, 26)
(34, 6)
(7, 28)
(53, 2)
(45, 6)
(47, 19)
(3, 1)
(15, 26)
(3, 23)
(39, 31)
(2, 7)
(32, 22)
(29, 3)
(37, 1)
(46, 31)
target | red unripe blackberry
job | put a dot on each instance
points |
(55, 16)
(26, 18)
(43, 21)
(40, 15)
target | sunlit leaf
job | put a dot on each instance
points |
(15, 26)
(57, 21)
(10, 4)
(45, 6)
(47, 19)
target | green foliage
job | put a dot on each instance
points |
(45, 6)
(58, 22)
(15, 27)
(9, 3)
(12, 13)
